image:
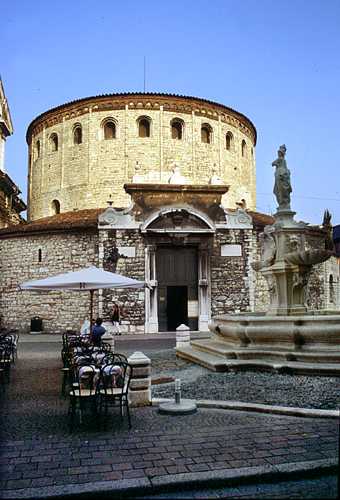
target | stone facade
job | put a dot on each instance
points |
(6, 126)
(37, 255)
(10, 202)
(66, 176)
(11, 205)
(75, 240)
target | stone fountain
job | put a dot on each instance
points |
(288, 336)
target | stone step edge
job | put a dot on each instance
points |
(219, 363)
(191, 480)
(260, 408)
(213, 348)
(210, 361)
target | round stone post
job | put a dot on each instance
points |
(182, 336)
(140, 385)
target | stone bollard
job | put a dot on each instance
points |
(140, 385)
(182, 336)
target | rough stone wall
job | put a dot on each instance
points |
(260, 287)
(131, 301)
(85, 175)
(322, 293)
(332, 283)
(229, 275)
(19, 261)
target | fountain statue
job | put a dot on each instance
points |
(287, 335)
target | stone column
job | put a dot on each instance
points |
(160, 143)
(151, 312)
(203, 290)
(193, 161)
(140, 385)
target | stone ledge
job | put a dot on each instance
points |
(260, 408)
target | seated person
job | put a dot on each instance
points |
(97, 332)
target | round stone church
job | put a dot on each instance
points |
(157, 187)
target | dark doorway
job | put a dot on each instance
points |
(177, 276)
(177, 306)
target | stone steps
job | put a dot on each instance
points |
(230, 359)
(211, 361)
(231, 352)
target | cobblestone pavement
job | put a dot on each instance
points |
(301, 391)
(40, 455)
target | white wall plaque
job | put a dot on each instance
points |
(231, 250)
(192, 308)
(127, 251)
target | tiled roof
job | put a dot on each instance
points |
(80, 219)
(65, 221)
(261, 219)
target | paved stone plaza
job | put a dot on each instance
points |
(214, 452)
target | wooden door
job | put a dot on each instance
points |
(177, 276)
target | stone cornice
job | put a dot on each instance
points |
(143, 101)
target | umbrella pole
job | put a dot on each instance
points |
(91, 310)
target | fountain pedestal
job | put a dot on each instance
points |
(287, 336)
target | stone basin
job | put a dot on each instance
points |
(296, 332)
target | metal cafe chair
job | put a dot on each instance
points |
(114, 357)
(5, 359)
(113, 387)
(83, 391)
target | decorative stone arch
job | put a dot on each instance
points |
(144, 126)
(37, 150)
(188, 227)
(206, 133)
(177, 129)
(55, 207)
(243, 149)
(77, 134)
(109, 127)
(53, 140)
(184, 219)
(229, 141)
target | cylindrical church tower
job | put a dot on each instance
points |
(82, 152)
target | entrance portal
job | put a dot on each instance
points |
(177, 277)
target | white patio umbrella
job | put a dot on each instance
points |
(89, 278)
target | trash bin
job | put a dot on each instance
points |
(36, 324)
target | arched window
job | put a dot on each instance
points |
(229, 141)
(109, 129)
(54, 142)
(39, 255)
(77, 134)
(144, 127)
(244, 148)
(177, 129)
(206, 133)
(55, 207)
(37, 149)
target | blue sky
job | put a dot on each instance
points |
(276, 62)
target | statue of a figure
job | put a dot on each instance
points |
(176, 177)
(282, 186)
(215, 179)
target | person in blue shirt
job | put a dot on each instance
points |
(97, 332)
